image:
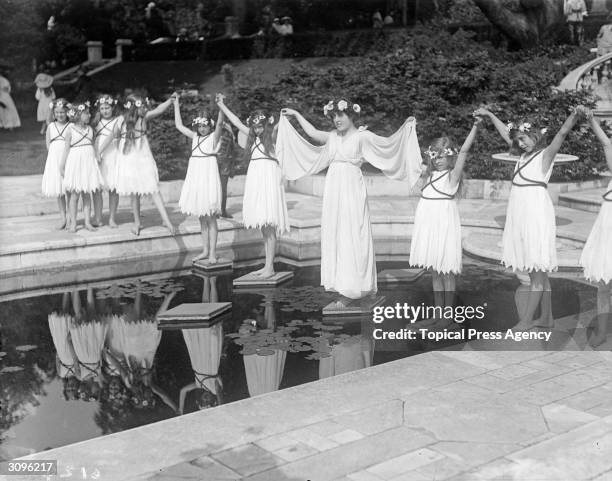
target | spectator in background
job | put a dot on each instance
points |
(388, 21)
(287, 26)
(45, 95)
(276, 26)
(377, 20)
(604, 37)
(9, 118)
(51, 23)
(575, 11)
(182, 35)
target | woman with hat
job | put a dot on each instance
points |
(9, 118)
(45, 95)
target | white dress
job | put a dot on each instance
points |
(201, 192)
(108, 164)
(264, 194)
(528, 242)
(59, 325)
(88, 341)
(436, 240)
(52, 181)
(43, 111)
(136, 169)
(141, 340)
(9, 117)
(596, 258)
(205, 347)
(264, 373)
(347, 250)
(82, 172)
(355, 353)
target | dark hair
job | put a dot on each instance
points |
(206, 400)
(48, 91)
(70, 383)
(267, 136)
(539, 139)
(440, 144)
(350, 113)
(130, 117)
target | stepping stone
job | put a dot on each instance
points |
(393, 276)
(190, 314)
(250, 280)
(203, 265)
(355, 308)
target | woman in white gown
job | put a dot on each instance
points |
(347, 251)
(9, 118)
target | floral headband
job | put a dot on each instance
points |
(525, 127)
(58, 103)
(203, 121)
(73, 110)
(106, 99)
(137, 103)
(259, 119)
(434, 154)
(342, 106)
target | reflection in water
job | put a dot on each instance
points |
(348, 354)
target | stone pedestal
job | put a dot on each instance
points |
(356, 308)
(250, 280)
(397, 276)
(119, 44)
(94, 51)
(190, 314)
(222, 265)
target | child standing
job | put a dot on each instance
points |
(596, 258)
(136, 168)
(79, 165)
(529, 239)
(436, 241)
(106, 145)
(201, 193)
(264, 204)
(52, 181)
(45, 95)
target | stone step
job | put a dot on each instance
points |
(588, 200)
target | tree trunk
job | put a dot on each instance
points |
(526, 22)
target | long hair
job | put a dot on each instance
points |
(131, 116)
(48, 91)
(539, 139)
(439, 145)
(267, 136)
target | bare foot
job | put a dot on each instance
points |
(112, 224)
(201, 256)
(212, 259)
(72, 228)
(97, 223)
(258, 272)
(524, 326)
(90, 227)
(226, 215)
(135, 229)
(171, 228)
(265, 273)
(62, 224)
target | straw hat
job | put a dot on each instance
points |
(43, 80)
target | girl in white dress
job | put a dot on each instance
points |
(347, 249)
(52, 181)
(201, 193)
(136, 168)
(596, 258)
(106, 144)
(79, 164)
(45, 97)
(528, 242)
(436, 240)
(263, 205)
(9, 117)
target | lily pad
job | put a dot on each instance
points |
(25, 347)
(265, 352)
(11, 369)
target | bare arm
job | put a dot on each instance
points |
(499, 125)
(315, 134)
(164, 397)
(603, 138)
(551, 151)
(67, 140)
(218, 128)
(463, 153)
(183, 395)
(160, 109)
(233, 118)
(48, 136)
(165, 303)
(178, 121)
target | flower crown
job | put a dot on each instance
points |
(342, 106)
(203, 121)
(106, 99)
(58, 103)
(525, 127)
(137, 103)
(73, 110)
(434, 154)
(259, 119)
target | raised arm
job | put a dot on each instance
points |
(183, 396)
(160, 109)
(551, 151)
(319, 136)
(463, 153)
(164, 397)
(178, 121)
(218, 128)
(499, 125)
(603, 138)
(233, 118)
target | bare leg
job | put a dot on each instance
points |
(65, 301)
(73, 199)
(61, 204)
(213, 232)
(206, 290)
(224, 180)
(600, 333)
(437, 281)
(136, 211)
(449, 289)
(113, 203)
(87, 211)
(214, 295)
(91, 304)
(269, 233)
(76, 305)
(546, 319)
(98, 204)
(205, 236)
(538, 280)
(159, 203)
